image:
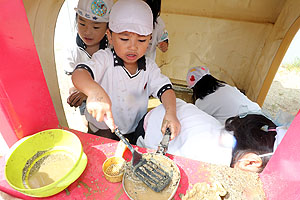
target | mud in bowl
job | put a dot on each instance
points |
(45, 163)
(46, 167)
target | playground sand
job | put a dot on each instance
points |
(238, 184)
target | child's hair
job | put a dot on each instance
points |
(205, 86)
(251, 136)
(249, 132)
(155, 6)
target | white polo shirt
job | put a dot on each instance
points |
(226, 102)
(159, 34)
(78, 54)
(75, 55)
(129, 94)
(201, 136)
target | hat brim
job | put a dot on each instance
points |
(134, 28)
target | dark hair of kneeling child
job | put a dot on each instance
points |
(205, 86)
(250, 137)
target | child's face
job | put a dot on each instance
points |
(91, 32)
(129, 46)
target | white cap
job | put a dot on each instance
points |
(95, 10)
(132, 16)
(195, 74)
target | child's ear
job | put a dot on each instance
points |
(249, 162)
(109, 33)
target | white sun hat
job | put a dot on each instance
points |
(195, 74)
(132, 16)
(95, 10)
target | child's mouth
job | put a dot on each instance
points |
(88, 39)
(131, 56)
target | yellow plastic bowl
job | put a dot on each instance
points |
(45, 163)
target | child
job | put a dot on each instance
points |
(203, 138)
(92, 20)
(257, 138)
(217, 98)
(119, 81)
(200, 137)
(160, 37)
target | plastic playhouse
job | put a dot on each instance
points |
(244, 42)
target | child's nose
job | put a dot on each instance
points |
(88, 30)
(133, 45)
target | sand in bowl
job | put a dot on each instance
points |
(136, 189)
(45, 168)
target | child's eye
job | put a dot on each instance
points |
(124, 39)
(81, 24)
(142, 40)
(96, 27)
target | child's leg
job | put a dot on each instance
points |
(139, 131)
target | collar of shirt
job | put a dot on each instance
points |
(119, 62)
(103, 43)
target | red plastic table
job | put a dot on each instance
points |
(92, 183)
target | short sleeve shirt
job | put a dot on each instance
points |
(78, 54)
(226, 102)
(129, 93)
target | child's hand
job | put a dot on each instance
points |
(99, 106)
(76, 97)
(163, 46)
(171, 121)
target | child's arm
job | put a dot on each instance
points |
(163, 40)
(170, 120)
(98, 102)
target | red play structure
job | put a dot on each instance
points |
(26, 106)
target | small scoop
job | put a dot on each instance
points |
(147, 171)
(113, 167)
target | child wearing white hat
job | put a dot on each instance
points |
(119, 81)
(217, 98)
(160, 36)
(92, 22)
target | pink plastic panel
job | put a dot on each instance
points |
(281, 177)
(24, 96)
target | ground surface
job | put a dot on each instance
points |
(284, 93)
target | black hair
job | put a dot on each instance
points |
(250, 137)
(205, 86)
(155, 6)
